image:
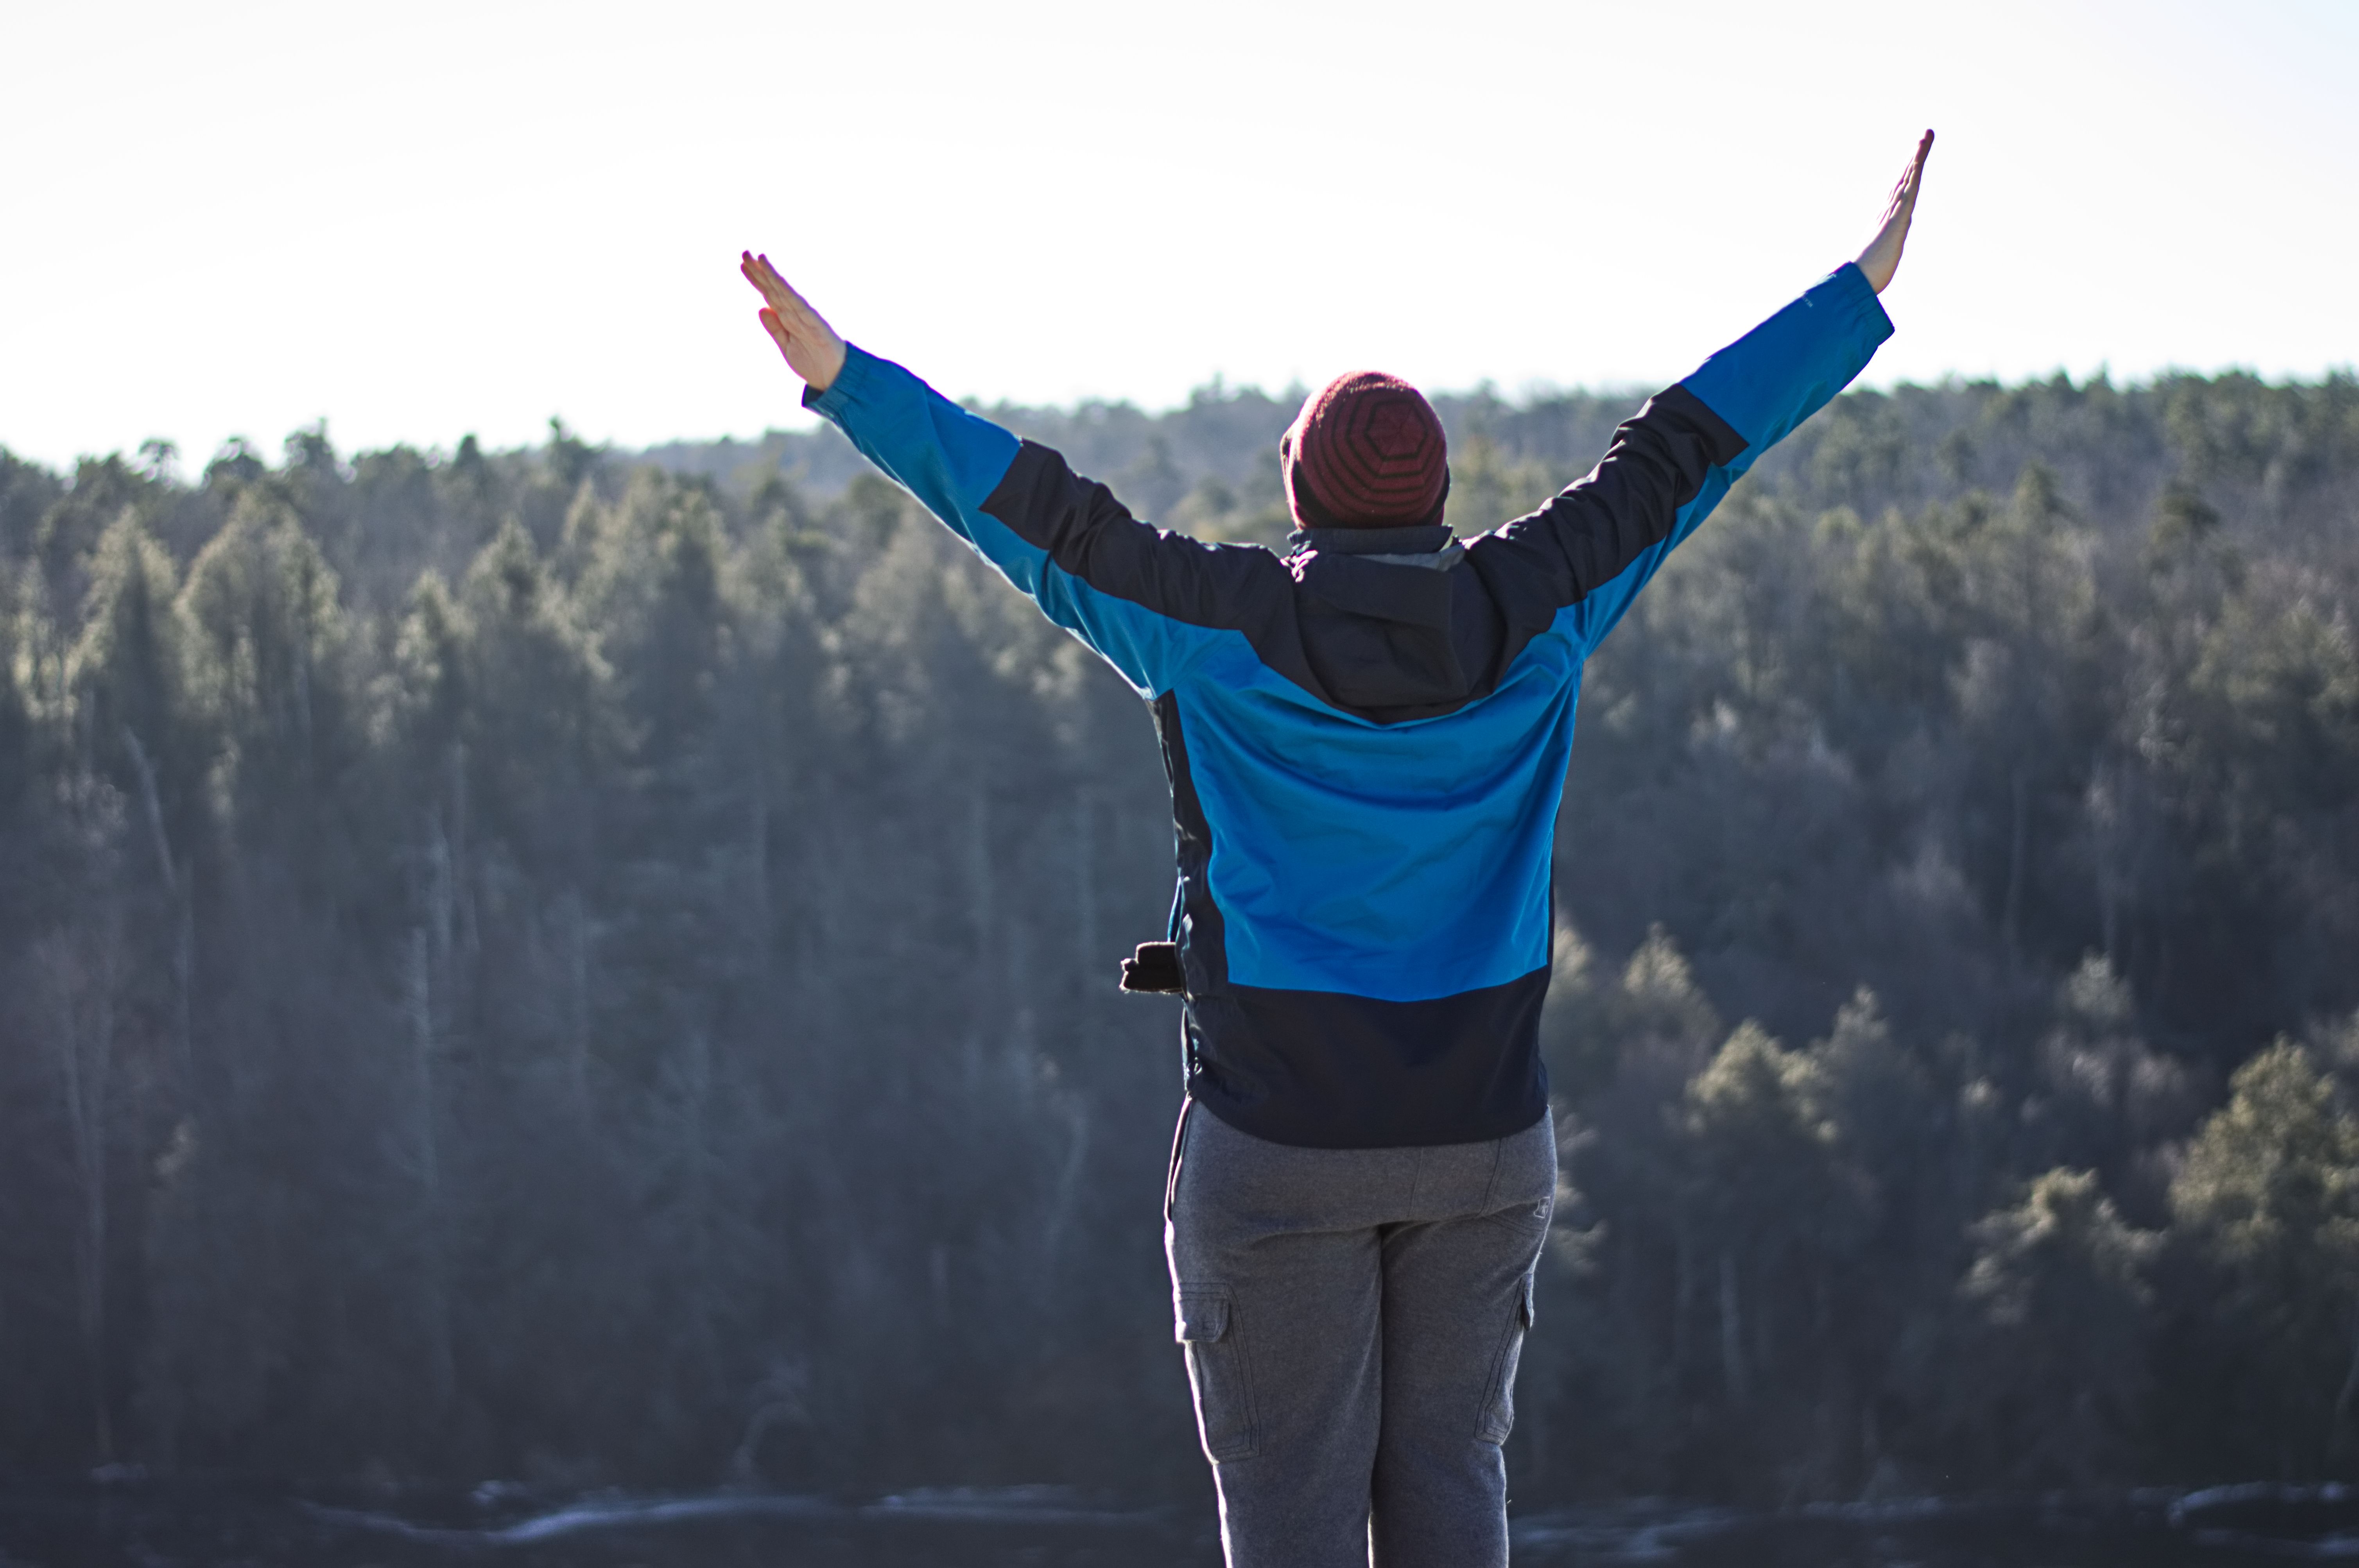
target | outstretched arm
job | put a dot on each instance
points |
(1146, 599)
(1591, 547)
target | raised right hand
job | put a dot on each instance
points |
(1882, 257)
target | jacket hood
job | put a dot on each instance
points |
(1391, 620)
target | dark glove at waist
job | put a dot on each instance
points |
(1155, 970)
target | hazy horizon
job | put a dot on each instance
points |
(189, 464)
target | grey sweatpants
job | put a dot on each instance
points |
(1352, 1319)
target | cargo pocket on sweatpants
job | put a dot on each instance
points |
(1218, 1372)
(1499, 1405)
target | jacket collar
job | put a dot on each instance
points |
(1423, 545)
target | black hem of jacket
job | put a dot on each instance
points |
(1329, 1070)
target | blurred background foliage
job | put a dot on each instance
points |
(597, 967)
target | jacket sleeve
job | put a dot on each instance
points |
(1594, 546)
(1144, 599)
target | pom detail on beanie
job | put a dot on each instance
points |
(1367, 451)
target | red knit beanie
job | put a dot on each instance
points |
(1366, 451)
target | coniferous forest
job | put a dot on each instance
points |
(599, 968)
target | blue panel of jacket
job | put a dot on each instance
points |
(1366, 737)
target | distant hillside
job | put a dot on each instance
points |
(1221, 443)
(1214, 463)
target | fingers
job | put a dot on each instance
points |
(1904, 193)
(778, 291)
(775, 289)
(777, 330)
(765, 277)
(1915, 175)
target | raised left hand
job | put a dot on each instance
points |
(812, 349)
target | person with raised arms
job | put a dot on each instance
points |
(1366, 738)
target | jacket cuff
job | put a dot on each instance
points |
(1867, 309)
(859, 364)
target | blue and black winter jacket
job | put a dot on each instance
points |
(1366, 737)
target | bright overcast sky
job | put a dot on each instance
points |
(425, 219)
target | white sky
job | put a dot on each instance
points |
(429, 218)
